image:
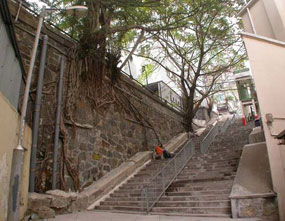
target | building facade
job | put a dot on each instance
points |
(10, 83)
(166, 93)
(264, 38)
(247, 94)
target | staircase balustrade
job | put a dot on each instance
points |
(157, 186)
(210, 137)
(233, 118)
(225, 126)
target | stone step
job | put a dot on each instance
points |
(174, 198)
(122, 203)
(212, 161)
(206, 163)
(185, 183)
(199, 193)
(197, 188)
(194, 210)
(213, 169)
(122, 198)
(207, 173)
(131, 192)
(169, 213)
(214, 156)
(204, 179)
(163, 203)
(192, 198)
(139, 180)
(212, 203)
(133, 187)
(135, 191)
(145, 174)
(119, 208)
(211, 177)
(210, 165)
(125, 194)
(223, 151)
(181, 183)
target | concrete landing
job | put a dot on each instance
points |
(105, 216)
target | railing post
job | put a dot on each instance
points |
(147, 203)
(163, 180)
(175, 166)
(185, 157)
(165, 176)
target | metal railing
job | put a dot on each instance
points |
(225, 126)
(233, 118)
(152, 192)
(218, 128)
(210, 137)
(227, 123)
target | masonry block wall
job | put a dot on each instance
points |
(112, 136)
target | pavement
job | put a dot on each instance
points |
(107, 216)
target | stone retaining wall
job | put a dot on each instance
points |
(261, 207)
(112, 137)
(46, 206)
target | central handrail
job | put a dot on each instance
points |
(224, 127)
(218, 128)
(152, 192)
(209, 138)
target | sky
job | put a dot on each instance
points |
(40, 4)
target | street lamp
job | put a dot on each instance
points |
(18, 152)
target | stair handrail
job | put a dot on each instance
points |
(209, 138)
(233, 118)
(225, 126)
(159, 183)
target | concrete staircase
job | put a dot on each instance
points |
(203, 186)
(127, 198)
(201, 189)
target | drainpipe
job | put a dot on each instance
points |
(37, 116)
(57, 123)
(18, 152)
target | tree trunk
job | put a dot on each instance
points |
(189, 115)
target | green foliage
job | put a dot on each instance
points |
(230, 98)
(147, 71)
(206, 46)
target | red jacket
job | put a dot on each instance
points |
(158, 150)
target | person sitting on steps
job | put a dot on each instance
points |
(161, 151)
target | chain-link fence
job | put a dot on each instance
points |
(152, 192)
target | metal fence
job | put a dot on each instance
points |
(225, 126)
(152, 192)
(233, 118)
(210, 137)
(227, 123)
(218, 128)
